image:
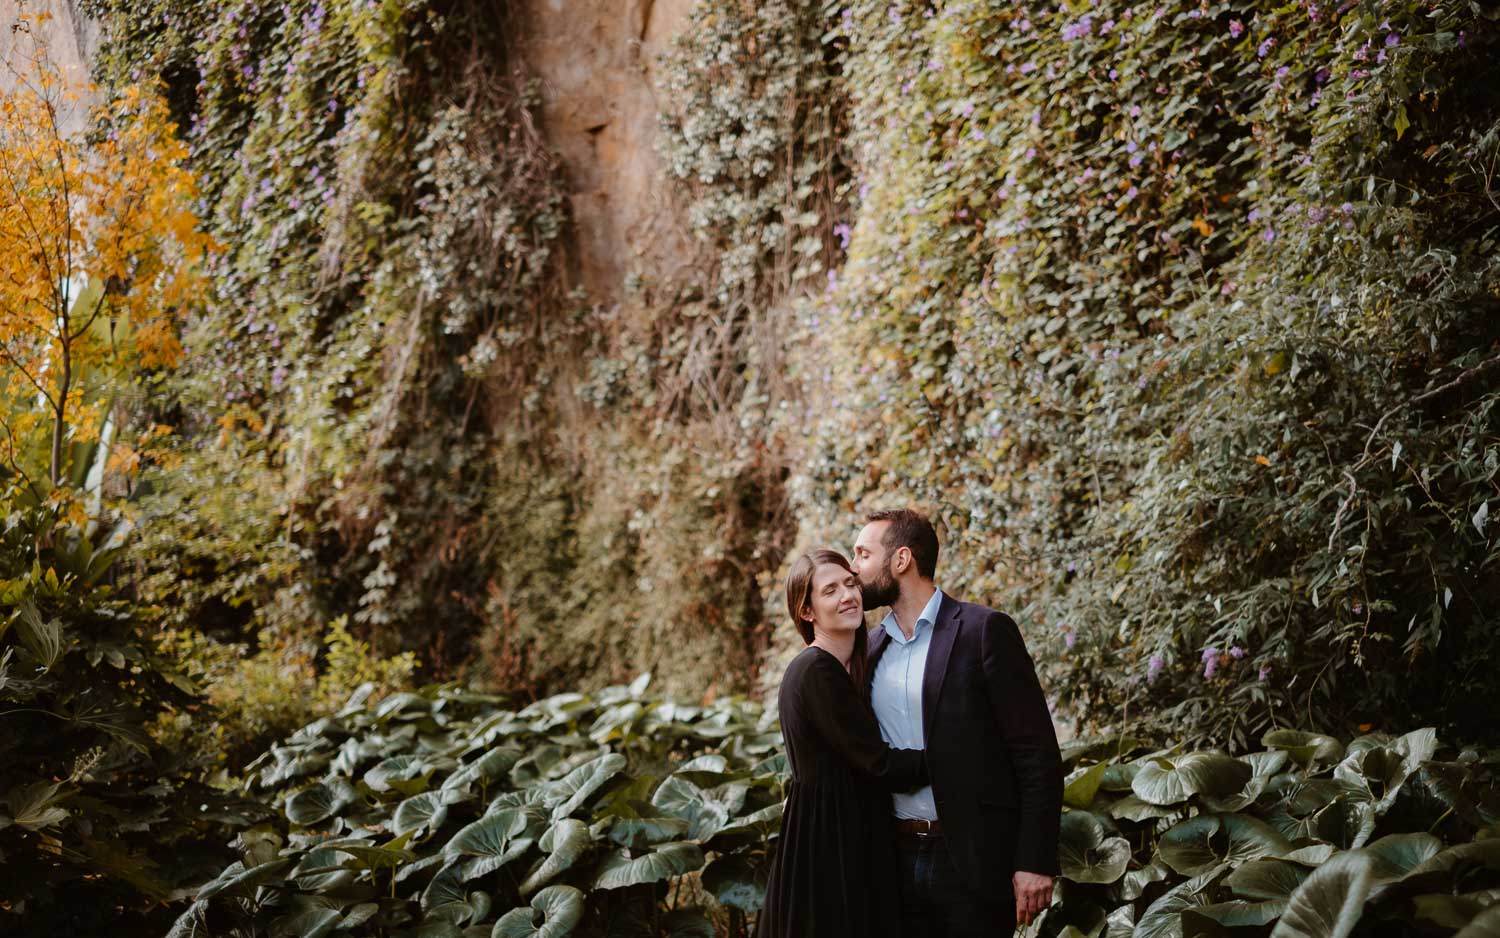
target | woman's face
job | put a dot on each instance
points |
(835, 604)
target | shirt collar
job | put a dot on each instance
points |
(927, 617)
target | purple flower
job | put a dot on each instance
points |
(1236, 28)
(1135, 160)
(1322, 75)
(1392, 40)
(1078, 30)
(1269, 235)
(1154, 667)
(1359, 609)
(1265, 672)
(1130, 146)
(1236, 652)
(1210, 654)
(1070, 638)
(1264, 49)
(1347, 208)
(1210, 668)
(1135, 110)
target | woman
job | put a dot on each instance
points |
(834, 875)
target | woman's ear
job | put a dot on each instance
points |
(807, 613)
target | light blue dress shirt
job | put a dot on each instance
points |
(896, 694)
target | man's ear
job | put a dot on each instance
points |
(903, 559)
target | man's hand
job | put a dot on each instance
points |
(1033, 894)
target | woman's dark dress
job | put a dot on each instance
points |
(835, 874)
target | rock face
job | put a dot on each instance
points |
(597, 62)
(71, 39)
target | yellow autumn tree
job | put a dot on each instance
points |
(100, 259)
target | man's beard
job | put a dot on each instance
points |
(880, 592)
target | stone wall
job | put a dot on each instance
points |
(71, 39)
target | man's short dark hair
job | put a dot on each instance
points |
(912, 530)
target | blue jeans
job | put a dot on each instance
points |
(937, 903)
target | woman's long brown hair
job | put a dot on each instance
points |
(799, 584)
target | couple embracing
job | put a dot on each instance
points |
(926, 781)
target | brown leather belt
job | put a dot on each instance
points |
(911, 826)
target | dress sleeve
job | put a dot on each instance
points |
(831, 703)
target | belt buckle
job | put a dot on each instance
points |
(926, 830)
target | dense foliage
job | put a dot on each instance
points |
(1181, 316)
(623, 813)
(443, 813)
(1308, 837)
(99, 822)
(400, 406)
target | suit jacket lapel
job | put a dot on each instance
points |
(944, 631)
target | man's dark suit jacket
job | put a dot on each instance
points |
(991, 750)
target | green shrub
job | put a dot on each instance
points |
(100, 824)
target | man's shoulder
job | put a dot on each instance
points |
(978, 613)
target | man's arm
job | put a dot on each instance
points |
(1026, 725)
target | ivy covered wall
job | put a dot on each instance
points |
(1177, 316)
(1182, 317)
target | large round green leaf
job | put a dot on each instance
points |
(565, 842)
(495, 763)
(307, 917)
(1088, 853)
(1305, 748)
(1118, 776)
(554, 912)
(1200, 843)
(406, 774)
(641, 832)
(446, 898)
(755, 827)
(1267, 878)
(1396, 855)
(1133, 884)
(422, 811)
(322, 870)
(1168, 780)
(320, 802)
(1131, 808)
(240, 882)
(1235, 913)
(568, 793)
(1080, 788)
(708, 811)
(735, 883)
(492, 841)
(1329, 902)
(619, 869)
(1163, 918)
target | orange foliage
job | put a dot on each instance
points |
(100, 255)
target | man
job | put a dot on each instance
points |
(978, 846)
